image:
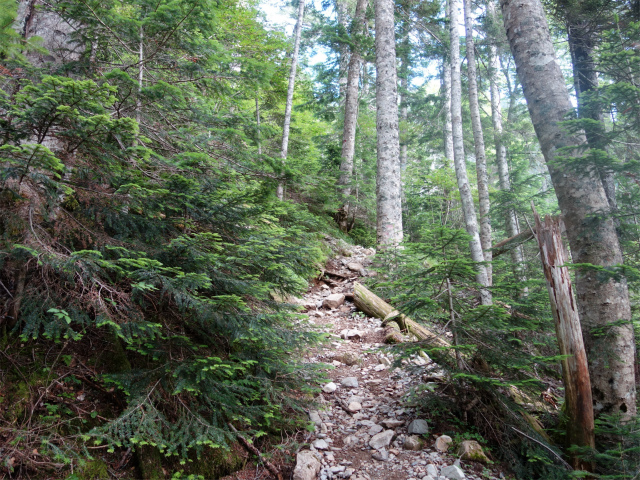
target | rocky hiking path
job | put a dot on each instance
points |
(366, 428)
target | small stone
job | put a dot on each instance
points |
(330, 387)
(381, 440)
(381, 455)
(350, 441)
(413, 442)
(453, 473)
(349, 382)
(418, 427)
(355, 266)
(375, 429)
(333, 301)
(379, 367)
(443, 442)
(354, 407)
(349, 358)
(432, 470)
(471, 450)
(320, 444)
(307, 466)
(338, 469)
(314, 416)
(392, 423)
(427, 477)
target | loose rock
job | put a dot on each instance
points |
(453, 473)
(381, 440)
(471, 450)
(443, 442)
(349, 382)
(307, 466)
(333, 301)
(419, 427)
(413, 443)
(330, 387)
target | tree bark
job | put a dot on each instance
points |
(575, 372)
(466, 198)
(603, 304)
(581, 39)
(511, 220)
(351, 113)
(289, 105)
(344, 53)
(484, 204)
(448, 129)
(388, 188)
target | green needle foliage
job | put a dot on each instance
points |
(137, 216)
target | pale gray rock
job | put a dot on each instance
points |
(391, 423)
(453, 472)
(381, 455)
(349, 382)
(330, 387)
(320, 444)
(355, 266)
(432, 470)
(314, 416)
(355, 407)
(350, 441)
(381, 440)
(307, 466)
(333, 301)
(443, 442)
(418, 427)
(375, 429)
(471, 450)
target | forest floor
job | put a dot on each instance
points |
(368, 424)
(368, 427)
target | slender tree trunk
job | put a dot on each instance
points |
(575, 372)
(501, 152)
(481, 161)
(404, 54)
(259, 140)
(466, 197)
(289, 105)
(603, 303)
(388, 187)
(351, 115)
(343, 65)
(448, 129)
(140, 76)
(585, 78)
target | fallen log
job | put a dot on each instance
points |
(374, 306)
(512, 242)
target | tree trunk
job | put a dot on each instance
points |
(448, 129)
(585, 79)
(289, 105)
(258, 139)
(371, 304)
(388, 188)
(478, 138)
(603, 304)
(351, 113)
(501, 153)
(344, 53)
(575, 372)
(466, 197)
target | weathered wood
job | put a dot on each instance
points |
(510, 243)
(374, 306)
(575, 370)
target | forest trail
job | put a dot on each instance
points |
(367, 427)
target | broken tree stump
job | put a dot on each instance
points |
(575, 371)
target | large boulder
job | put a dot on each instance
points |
(307, 466)
(443, 442)
(453, 473)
